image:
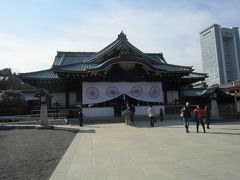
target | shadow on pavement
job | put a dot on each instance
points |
(225, 133)
(228, 128)
(87, 131)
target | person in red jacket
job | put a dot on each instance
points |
(198, 114)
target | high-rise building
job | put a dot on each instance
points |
(220, 48)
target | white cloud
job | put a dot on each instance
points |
(175, 34)
(23, 55)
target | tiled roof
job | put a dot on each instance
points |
(83, 61)
(93, 60)
(85, 67)
(195, 75)
(102, 52)
(173, 68)
(29, 95)
(157, 57)
(45, 74)
(192, 92)
(78, 62)
(211, 89)
(64, 58)
(76, 67)
(122, 42)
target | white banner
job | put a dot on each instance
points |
(97, 92)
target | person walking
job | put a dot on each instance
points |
(151, 115)
(186, 114)
(161, 114)
(207, 116)
(198, 114)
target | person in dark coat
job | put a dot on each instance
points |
(115, 110)
(186, 114)
(161, 114)
(151, 115)
(80, 117)
(132, 109)
(118, 110)
(207, 116)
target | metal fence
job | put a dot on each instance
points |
(31, 118)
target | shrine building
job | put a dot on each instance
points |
(120, 73)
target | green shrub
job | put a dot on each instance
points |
(12, 103)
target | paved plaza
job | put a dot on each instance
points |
(116, 151)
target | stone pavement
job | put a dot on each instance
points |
(120, 152)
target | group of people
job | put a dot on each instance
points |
(152, 115)
(117, 110)
(200, 114)
(130, 112)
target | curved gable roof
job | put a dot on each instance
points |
(120, 43)
(84, 67)
(119, 51)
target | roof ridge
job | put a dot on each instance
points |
(179, 65)
(122, 38)
(99, 53)
(139, 51)
(199, 73)
(75, 52)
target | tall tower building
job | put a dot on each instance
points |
(220, 48)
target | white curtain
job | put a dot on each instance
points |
(97, 92)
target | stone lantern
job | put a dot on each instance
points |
(43, 96)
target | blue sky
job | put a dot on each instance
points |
(31, 31)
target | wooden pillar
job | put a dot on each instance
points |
(81, 93)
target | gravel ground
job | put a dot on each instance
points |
(31, 153)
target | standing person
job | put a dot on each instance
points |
(127, 115)
(118, 110)
(161, 114)
(132, 109)
(186, 115)
(80, 117)
(115, 110)
(198, 113)
(207, 116)
(151, 115)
